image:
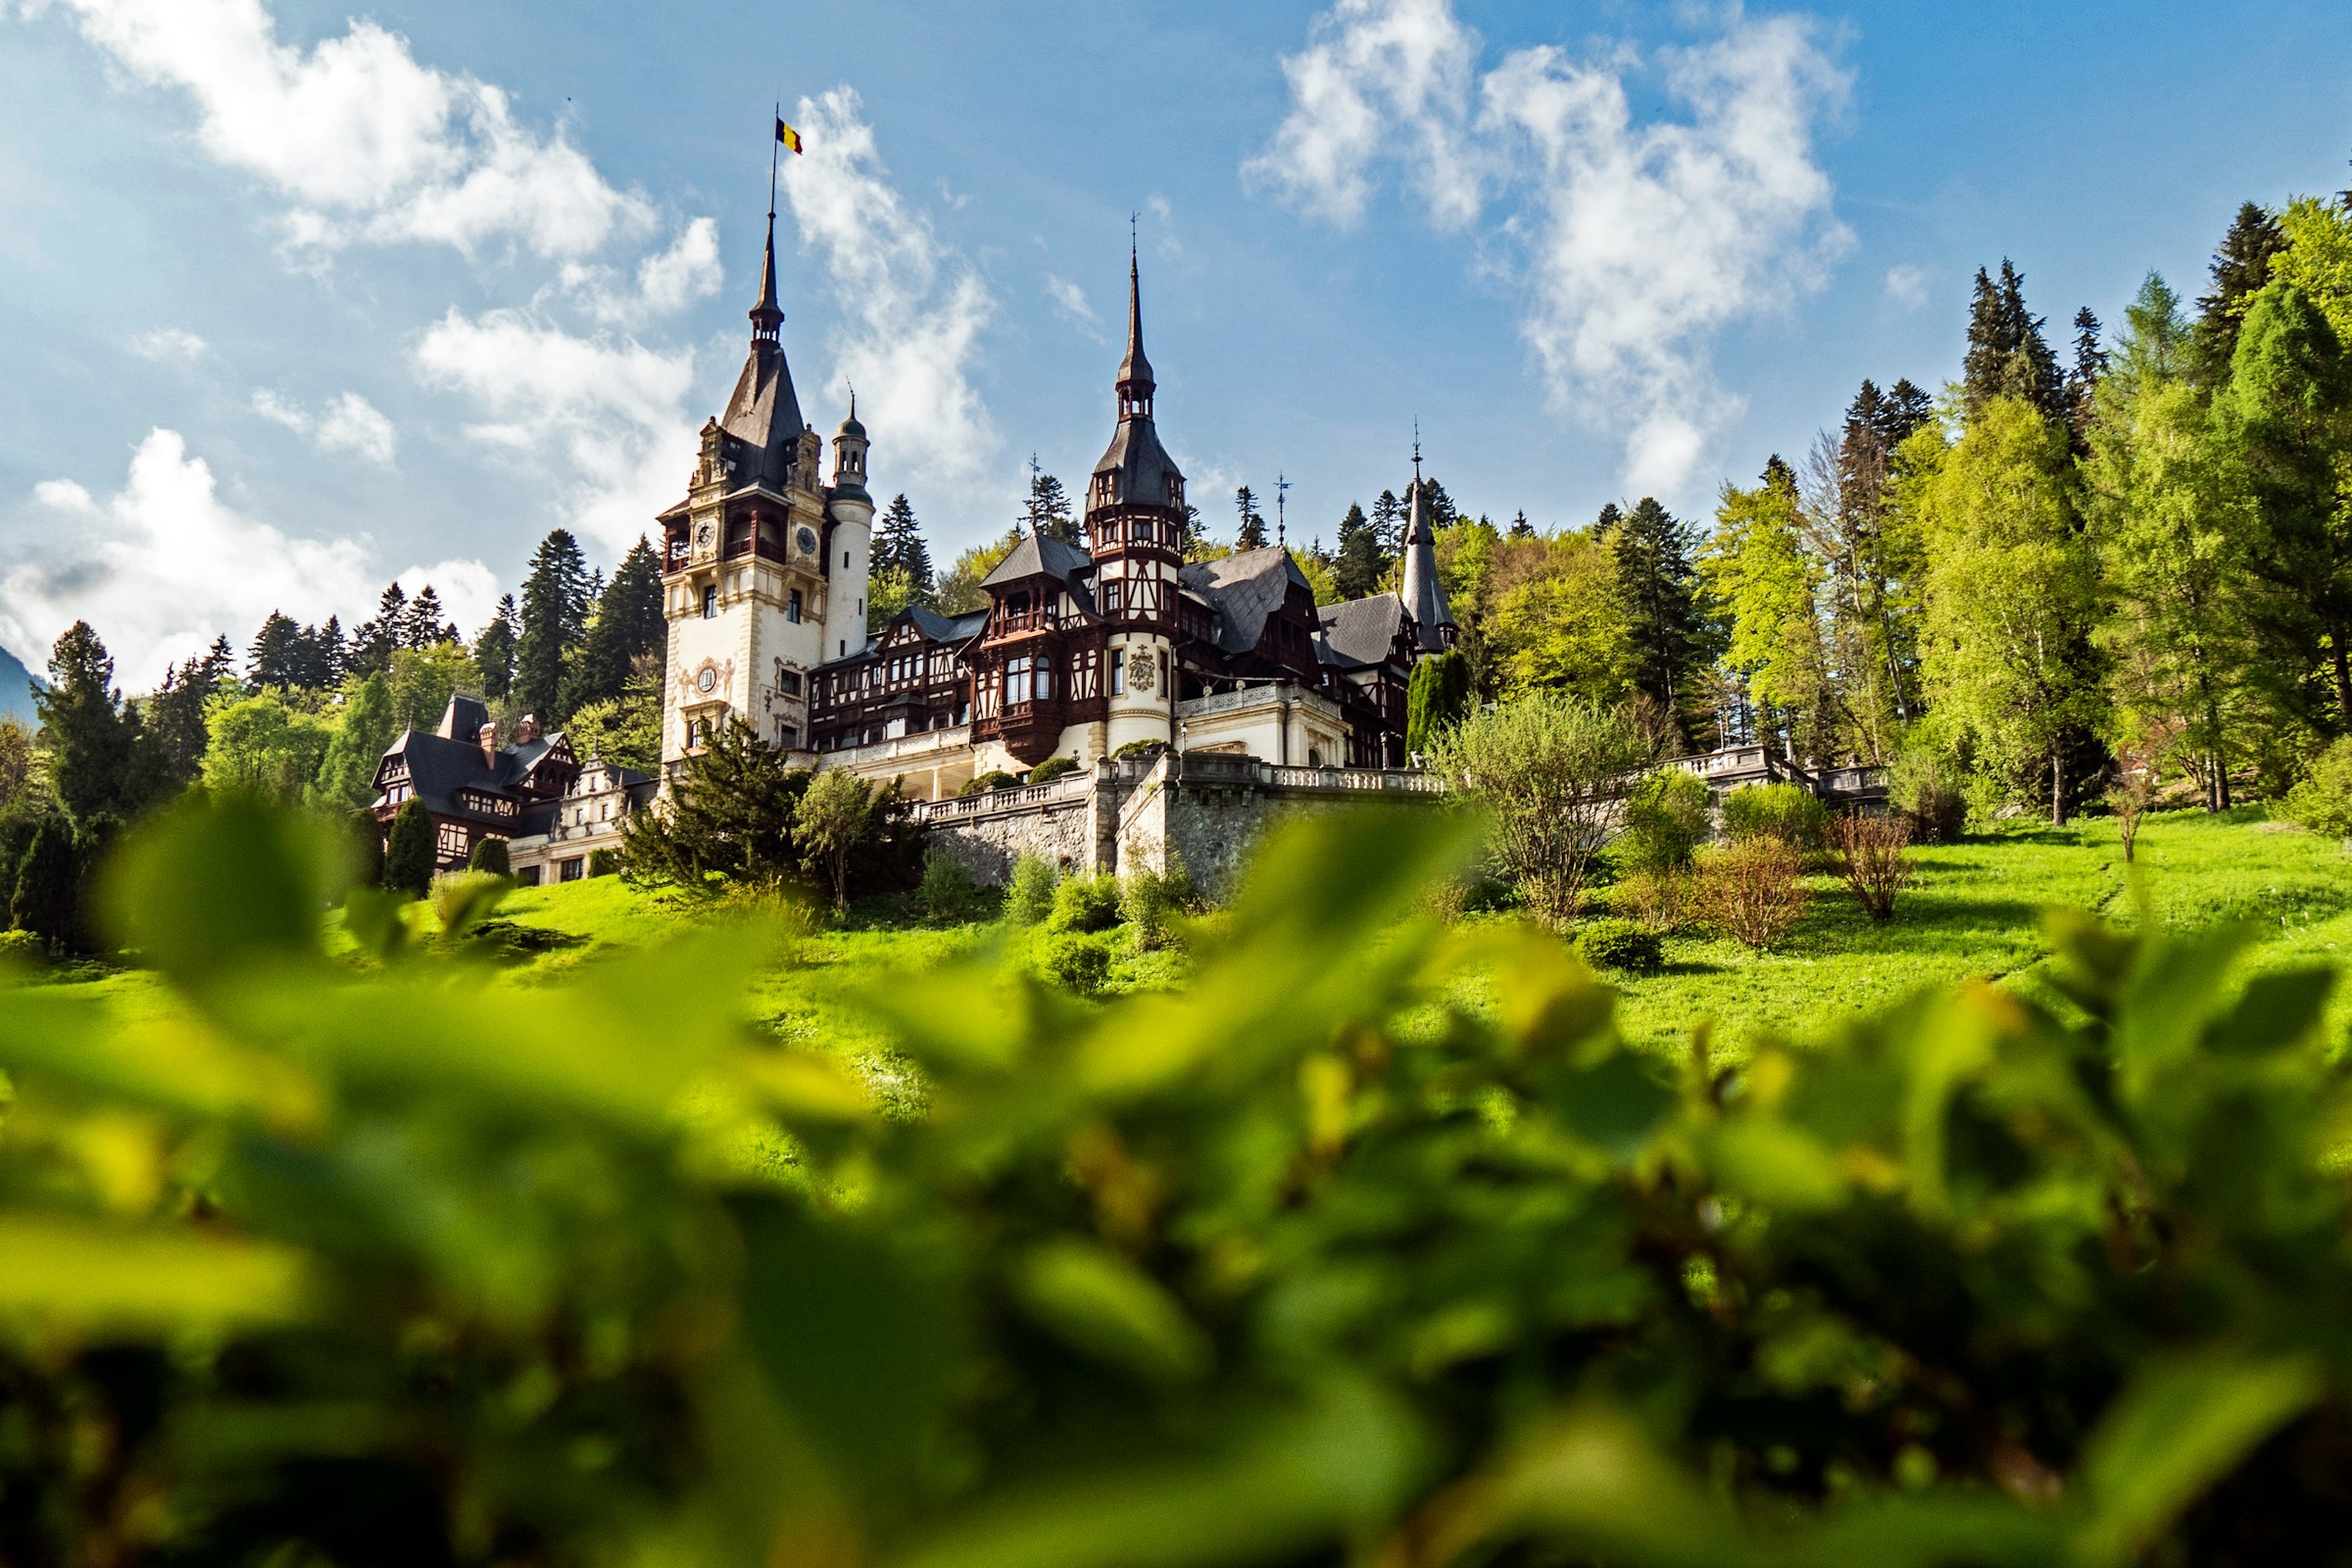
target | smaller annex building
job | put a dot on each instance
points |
(554, 810)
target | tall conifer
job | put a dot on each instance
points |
(629, 624)
(555, 616)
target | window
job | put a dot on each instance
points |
(845, 558)
(1017, 680)
(571, 870)
(709, 603)
(792, 607)
(1118, 674)
(788, 682)
(526, 876)
(1045, 679)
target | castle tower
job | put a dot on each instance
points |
(763, 567)
(1134, 529)
(1417, 585)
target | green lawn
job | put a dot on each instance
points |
(1975, 909)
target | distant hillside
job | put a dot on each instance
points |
(16, 687)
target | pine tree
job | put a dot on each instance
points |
(2083, 381)
(94, 741)
(373, 643)
(42, 902)
(1443, 512)
(424, 626)
(274, 659)
(2007, 355)
(1387, 527)
(176, 714)
(628, 626)
(410, 851)
(1358, 565)
(494, 650)
(1048, 508)
(555, 617)
(898, 544)
(1253, 532)
(331, 653)
(1437, 699)
(2241, 268)
(1521, 529)
(1659, 583)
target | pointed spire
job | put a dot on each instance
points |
(766, 316)
(1135, 370)
(1417, 585)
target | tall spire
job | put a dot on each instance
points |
(766, 316)
(1135, 370)
(1418, 586)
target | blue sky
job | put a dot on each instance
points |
(291, 303)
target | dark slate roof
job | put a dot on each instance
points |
(439, 766)
(1147, 476)
(1418, 588)
(949, 629)
(1243, 588)
(1361, 632)
(763, 422)
(1135, 369)
(462, 719)
(1038, 556)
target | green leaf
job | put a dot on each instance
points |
(221, 884)
(1105, 1306)
(2182, 1425)
(60, 1272)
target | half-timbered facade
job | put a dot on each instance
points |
(471, 786)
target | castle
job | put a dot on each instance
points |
(1117, 648)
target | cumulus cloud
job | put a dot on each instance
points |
(605, 415)
(911, 307)
(364, 140)
(168, 344)
(1069, 299)
(1640, 241)
(667, 282)
(1907, 286)
(163, 566)
(347, 423)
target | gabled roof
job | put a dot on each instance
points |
(762, 422)
(941, 628)
(462, 719)
(440, 768)
(1038, 556)
(1361, 633)
(1244, 589)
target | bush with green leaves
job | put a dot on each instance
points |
(1666, 818)
(1029, 891)
(1085, 901)
(947, 892)
(1052, 768)
(2323, 801)
(1143, 747)
(1079, 961)
(604, 863)
(1788, 812)
(21, 948)
(409, 850)
(1373, 1245)
(1927, 788)
(1620, 945)
(984, 783)
(490, 855)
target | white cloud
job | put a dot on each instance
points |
(364, 140)
(348, 423)
(1071, 301)
(606, 417)
(1378, 78)
(1640, 241)
(1907, 286)
(163, 566)
(912, 309)
(667, 282)
(169, 343)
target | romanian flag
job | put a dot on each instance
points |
(787, 136)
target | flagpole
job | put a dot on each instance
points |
(773, 144)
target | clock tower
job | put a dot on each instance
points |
(763, 567)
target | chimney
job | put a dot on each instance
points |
(489, 740)
(526, 729)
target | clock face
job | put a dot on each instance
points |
(709, 679)
(703, 535)
(806, 539)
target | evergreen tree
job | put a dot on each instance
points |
(1652, 550)
(176, 714)
(275, 657)
(2083, 381)
(1253, 532)
(411, 854)
(555, 617)
(374, 642)
(95, 743)
(494, 650)
(1358, 565)
(328, 654)
(424, 626)
(1437, 697)
(898, 544)
(1048, 508)
(1443, 512)
(43, 899)
(1521, 529)
(2007, 355)
(1606, 523)
(628, 626)
(1387, 527)
(731, 818)
(2242, 267)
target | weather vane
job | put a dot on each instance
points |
(1282, 489)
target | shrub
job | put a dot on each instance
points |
(1659, 900)
(1545, 769)
(1665, 822)
(490, 855)
(1436, 698)
(2323, 801)
(1029, 895)
(1145, 747)
(409, 851)
(1788, 812)
(604, 863)
(1927, 790)
(1085, 902)
(983, 783)
(44, 898)
(1749, 889)
(1149, 900)
(1873, 853)
(1078, 960)
(836, 819)
(21, 948)
(1052, 768)
(1619, 945)
(465, 900)
(947, 892)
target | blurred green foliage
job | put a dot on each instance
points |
(384, 1263)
